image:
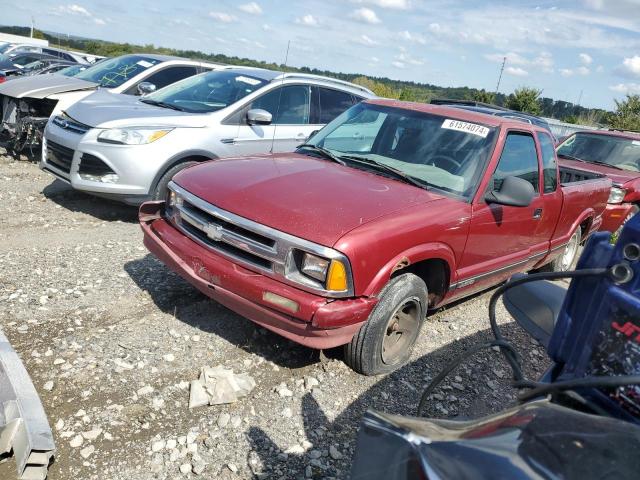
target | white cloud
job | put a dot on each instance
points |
(412, 37)
(366, 41)
(585, 58)
(266, 27)
(631, 65)
(543, 61)
(375, 59)
(398, 64)
(252, 8)
(99, 21)
(391, 4)
(569, 72)
(77, 10)
(516, 71)
(365, 15)
(222, 17)
(405, 58)
(566, 72)
(308, 20)
(583, 70)
(626, 88)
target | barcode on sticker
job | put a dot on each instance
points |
(466, 127)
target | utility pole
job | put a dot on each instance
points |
(580, 97)
(32, 23)
(504, 60)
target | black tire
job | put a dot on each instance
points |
(162, 187)
(561, 263)
(376, 349)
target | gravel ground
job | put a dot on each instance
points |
(111, 339)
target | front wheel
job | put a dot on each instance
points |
(162, 187)
(385, 341)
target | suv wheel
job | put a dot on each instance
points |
(162, 187)
(385, 341)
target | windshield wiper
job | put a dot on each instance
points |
(398, 174)
(161, 104)
(571, 157)
(322, 151)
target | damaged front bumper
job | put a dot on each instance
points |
(22, 121)
(24, 428)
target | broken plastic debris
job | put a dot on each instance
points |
(219, 385)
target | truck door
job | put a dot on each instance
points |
(502, 239)
(290, 107)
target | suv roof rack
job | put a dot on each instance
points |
(467, 103)
(311, 76)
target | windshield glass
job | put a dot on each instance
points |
(207, 92)
(615, 151)
(115, 71)
(4, 46)
(438, 151)
(72, 70)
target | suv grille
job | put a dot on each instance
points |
(59, 156)
(71, 125)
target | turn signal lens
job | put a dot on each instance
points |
(337, 277)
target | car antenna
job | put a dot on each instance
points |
(286, 59)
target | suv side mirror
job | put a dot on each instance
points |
(145, 88)
(257, 116)
(514, 192)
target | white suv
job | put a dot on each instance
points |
(128, 148)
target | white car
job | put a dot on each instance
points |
(129, 148)
(27, 103)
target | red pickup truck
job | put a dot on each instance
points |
(612, 153)
(392, 209)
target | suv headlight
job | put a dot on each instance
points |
(132, 136)
(616, 195)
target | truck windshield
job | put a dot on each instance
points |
(114, 72)
(618, 152)
(206, 92)
(437, 151)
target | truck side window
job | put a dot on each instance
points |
(549, 170)
(294, 105)
(518, 159)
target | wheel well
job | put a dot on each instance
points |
(173, 163)
(434, 272)
(584, 227)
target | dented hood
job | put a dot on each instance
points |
(42, 86)
(105, 109)
(304, 196)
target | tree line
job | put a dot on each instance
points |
(525, 99)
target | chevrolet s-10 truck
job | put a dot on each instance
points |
(390, 210)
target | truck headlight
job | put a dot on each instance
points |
(616, 195)
(331, 273)
(132, 136)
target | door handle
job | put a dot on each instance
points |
(537, 213)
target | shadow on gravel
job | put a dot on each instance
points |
(76, 201)
(399, 393)
(176, 297)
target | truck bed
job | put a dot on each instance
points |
(573, 175)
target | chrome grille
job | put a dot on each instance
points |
(250, 244)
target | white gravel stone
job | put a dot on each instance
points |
(146, 390)
(87, 451)
(48, 386)
(76, 441)
(158, 445)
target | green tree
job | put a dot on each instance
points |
(525, 99)
(383, 90)
(627, 114)
(38, 34)
(483, 96)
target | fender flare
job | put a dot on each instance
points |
(425, 251)
(179, 158)
(588, 214)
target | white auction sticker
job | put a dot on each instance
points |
(466, 127)
(144, 63)
(249, 80)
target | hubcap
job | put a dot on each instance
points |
(401, 331)
(569, 253)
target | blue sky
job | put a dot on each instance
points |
(562, 47)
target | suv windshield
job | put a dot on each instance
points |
(619, 152)
(435, 151)
(206, 92)
(72, 70)
(115, 71)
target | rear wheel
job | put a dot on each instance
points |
(162, 187)
(385, 341)
(567, 259)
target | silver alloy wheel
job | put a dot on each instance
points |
(569, 254)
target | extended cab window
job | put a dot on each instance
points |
(549, 172)
(288, 105)
(518, 159)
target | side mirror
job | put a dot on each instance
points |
(145, 88)
(257, 116)
(514, 192)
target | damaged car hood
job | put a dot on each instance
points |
(42, 86)
(304, 196)
(105, 109)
